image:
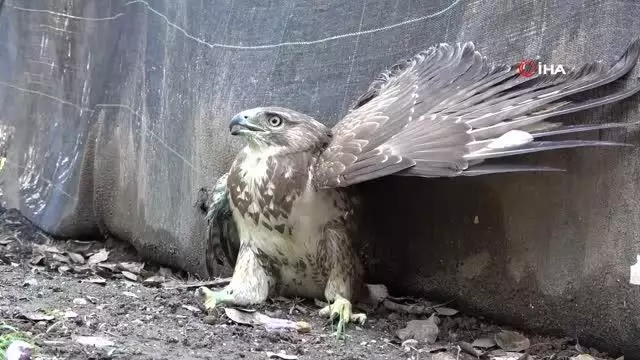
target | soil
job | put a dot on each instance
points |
(78, 290)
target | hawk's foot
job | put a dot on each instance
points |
(342, 310)
(213, 299)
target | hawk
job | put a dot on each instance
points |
(292, 192)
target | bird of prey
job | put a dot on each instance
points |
(292, 192)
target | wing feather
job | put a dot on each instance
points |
(447, 109)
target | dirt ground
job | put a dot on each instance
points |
(78, 300)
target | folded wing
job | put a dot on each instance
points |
(446, 110)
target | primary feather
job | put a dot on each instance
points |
(446, 110)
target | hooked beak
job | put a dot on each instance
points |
(241, 124)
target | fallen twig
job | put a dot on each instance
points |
(416, 309)
(217, 282)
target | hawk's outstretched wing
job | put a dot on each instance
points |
(446, 110)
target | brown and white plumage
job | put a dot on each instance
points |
(441, 113)
(447, 109)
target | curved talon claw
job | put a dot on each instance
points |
(342, 310)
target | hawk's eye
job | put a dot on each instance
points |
(275, 121)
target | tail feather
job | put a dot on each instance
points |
(537, 147)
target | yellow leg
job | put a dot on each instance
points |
(341, 309)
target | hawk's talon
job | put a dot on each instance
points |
(341, 309)
(213, 299)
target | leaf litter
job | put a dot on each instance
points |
(154, 318)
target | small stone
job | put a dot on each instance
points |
(80, 301)
(30, 282)
(96, 341)
(70, 314)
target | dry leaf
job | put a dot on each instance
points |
(425, 331)
(468, 348)
(443, 356)
(36, 316)
(96, 280)
(445, 311)
(36, 259)
(131, 267)
(60, 258)
(81, 246)
(130, 276)
(506, 355)
(282, 355)
(100, 256)
(583, 357)
(407, 345)
(512, 341)
(257, 318)
(109, 266)
(155, 280)
(53, 342)
(48, 249)
(96, 341)
(431, 348)
(75, 257)
(130, 294)
(484, 343)
(191, 308)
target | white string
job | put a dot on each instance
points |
(291, 43)
(153, 134)
(245, 47)
(66, 15)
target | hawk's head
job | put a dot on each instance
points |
(280, 129)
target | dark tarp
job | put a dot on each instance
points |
(118, 114)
